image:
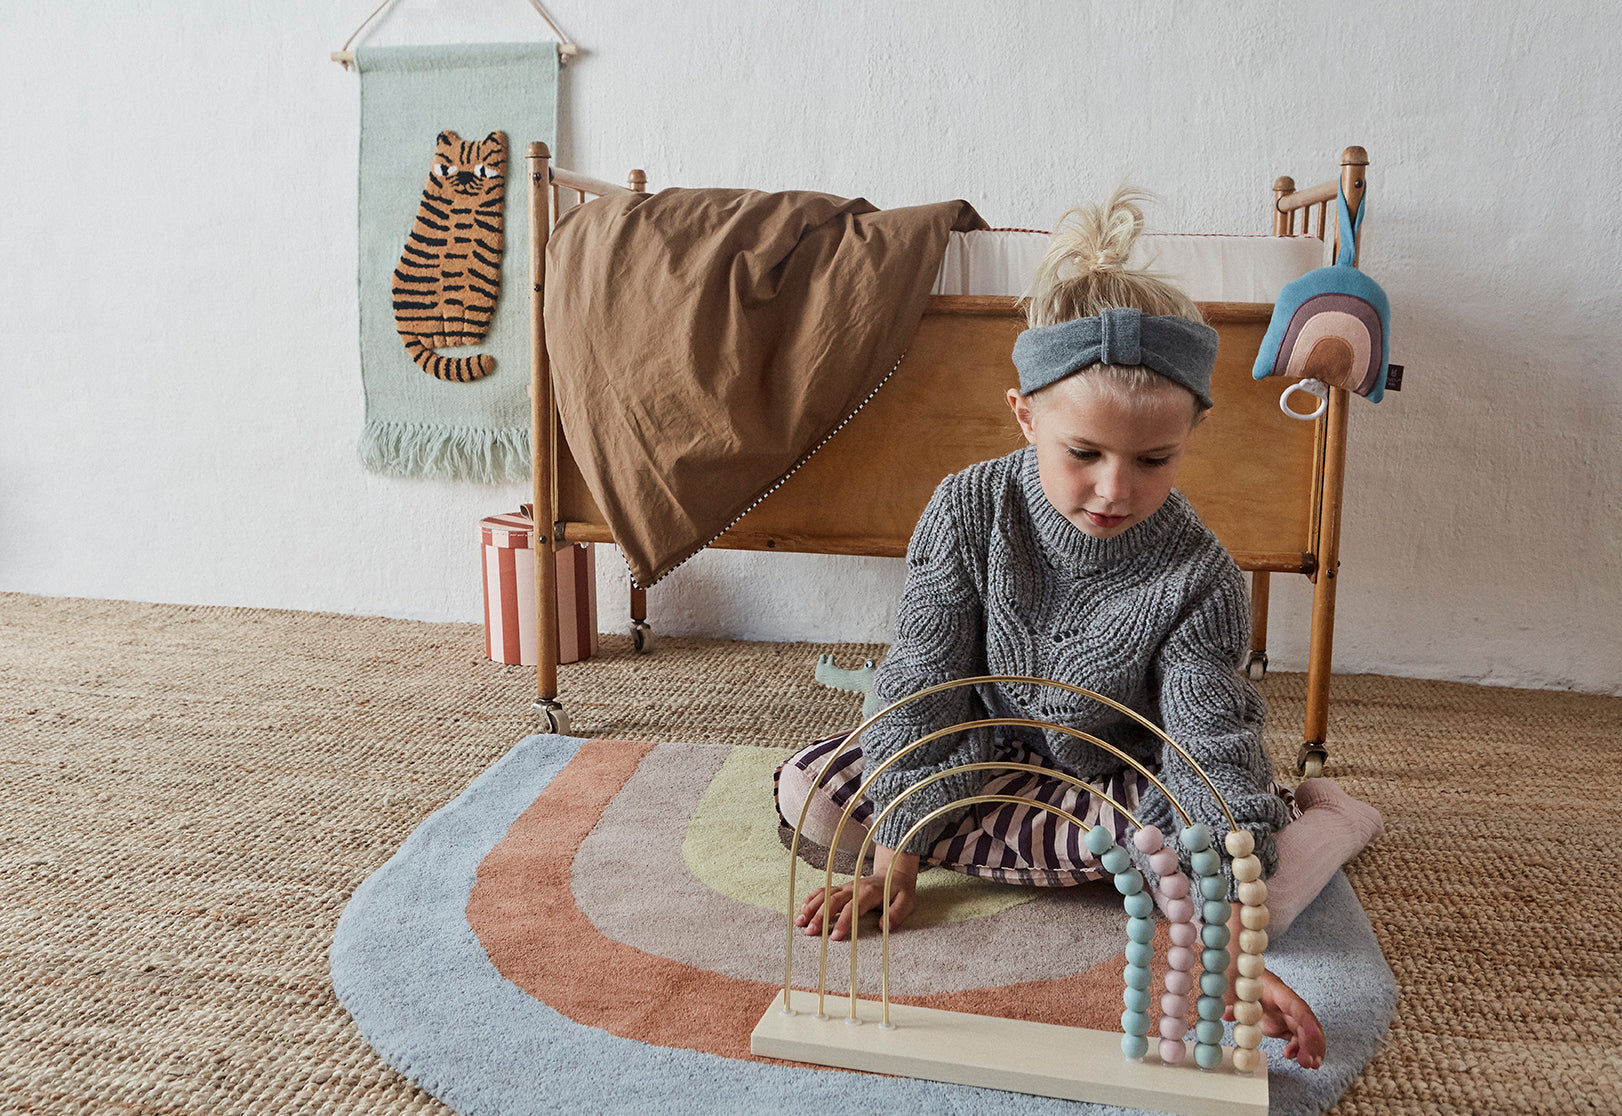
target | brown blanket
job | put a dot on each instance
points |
(704, 342)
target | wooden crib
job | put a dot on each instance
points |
(1267, 485)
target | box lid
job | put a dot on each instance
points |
(509, 531)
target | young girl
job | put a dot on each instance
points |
(1075, 560)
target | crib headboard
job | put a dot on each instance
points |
(1249, 471)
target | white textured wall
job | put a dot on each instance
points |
(177, 311)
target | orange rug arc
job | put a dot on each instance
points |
(536, 936)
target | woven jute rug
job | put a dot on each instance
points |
(191, 795)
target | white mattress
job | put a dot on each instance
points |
(1209, 268)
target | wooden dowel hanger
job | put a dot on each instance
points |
(566, 47)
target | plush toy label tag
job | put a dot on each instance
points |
(1393, 377)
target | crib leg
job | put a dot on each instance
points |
(543, 428)
(1256, 663)
(641, 634)
(1313, 754)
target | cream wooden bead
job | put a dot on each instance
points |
(1248, 1061)
(1253, 941)
(1248, 1012)
(1239, 843)
(1246, 868)
(1252, 965)
(1253, 918)
(1248, 988)
(1246, 1036)
(1253, 893)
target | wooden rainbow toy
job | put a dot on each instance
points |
(1200, 1078)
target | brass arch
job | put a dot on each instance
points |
(850, 808)
(919, 824)
(822, 775)
(867, 843)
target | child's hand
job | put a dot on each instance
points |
(869, 893)
(1286, 1015)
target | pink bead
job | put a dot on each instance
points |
(1164, 862)
(1172, 1051)
(1174, 886)
(1149, 839)
(1172, 1027)
(1180, 958)
(1175, 1006)
(1178, 984)
(1184, 933)
(1179, 910)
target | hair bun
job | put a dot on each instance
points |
(1085, 268)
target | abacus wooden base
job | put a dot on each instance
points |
(1040, 1058)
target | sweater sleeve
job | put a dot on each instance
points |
(1210, 708)
(939, 637)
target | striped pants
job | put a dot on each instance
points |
(1000, 841)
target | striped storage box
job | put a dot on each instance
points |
(509, 593)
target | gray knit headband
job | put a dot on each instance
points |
(1180, 350)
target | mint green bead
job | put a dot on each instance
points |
(1217, 910)
(1136, 976)
(1206, 862)
(1213, 887)
(1139, 905)
(1215, 936)
(1213, 984)
(1196, 837)
(1129, 882)
(1210, 1007)
(1098, 840)
(1135, 998)
(1115, 860)
(1135, 1022)
(1136, 1046)
(1207, 1056)
(1140, 953)
(1140, 929)
(1214, 960)
(1209, 1031)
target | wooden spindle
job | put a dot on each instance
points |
(1283, 187)
(543, 426)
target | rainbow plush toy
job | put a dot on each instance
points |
(1330, 328)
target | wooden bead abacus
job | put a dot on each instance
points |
(1045, 1059)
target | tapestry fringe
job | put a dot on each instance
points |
(416, 449)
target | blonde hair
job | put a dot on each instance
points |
(1084, 272)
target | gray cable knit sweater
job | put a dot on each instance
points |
(998, 582)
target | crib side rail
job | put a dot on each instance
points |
(1289, 201)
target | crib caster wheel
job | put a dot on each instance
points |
(557, 721)
(1256, 666)
(641, 637)
(1310, 759)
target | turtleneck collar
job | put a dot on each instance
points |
(1072, 547)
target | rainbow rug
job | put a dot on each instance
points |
(597, 926)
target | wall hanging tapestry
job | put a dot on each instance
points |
(444, 337)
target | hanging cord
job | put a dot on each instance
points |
(566, 47)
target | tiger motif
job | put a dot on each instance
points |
(449, 277)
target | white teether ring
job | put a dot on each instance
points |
(1311, 387)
